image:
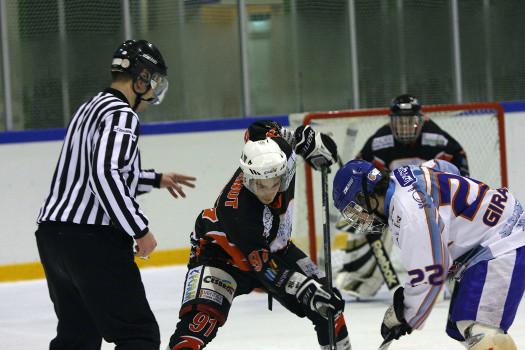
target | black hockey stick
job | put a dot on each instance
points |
(327, 252)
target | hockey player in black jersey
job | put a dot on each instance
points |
(243, 242)
(410, 138)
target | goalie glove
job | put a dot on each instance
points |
(317, 149)
(313, 296)
(394, 324)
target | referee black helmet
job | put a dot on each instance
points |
(142, 60)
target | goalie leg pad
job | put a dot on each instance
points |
(360, 275)
(482, 337)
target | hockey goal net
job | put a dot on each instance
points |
(478, 127)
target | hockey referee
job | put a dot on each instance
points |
(90, 220)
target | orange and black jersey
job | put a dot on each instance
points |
(243, 232)
(385, 152)
(240, 224)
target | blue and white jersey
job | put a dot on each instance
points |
(437, 218)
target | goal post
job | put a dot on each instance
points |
(478, 127)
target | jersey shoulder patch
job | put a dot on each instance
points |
(404, 176)
(382, 142)
(433, 139)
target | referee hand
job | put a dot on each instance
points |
(145, 245)
(174, 182)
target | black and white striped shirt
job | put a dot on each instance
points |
(98, 174)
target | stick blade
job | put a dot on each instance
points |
(385, 344)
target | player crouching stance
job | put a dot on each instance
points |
(243, 242)
(444, 224)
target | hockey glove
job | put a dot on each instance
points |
(394, 324)
(312, 295)
(317, 149)
(262, 129)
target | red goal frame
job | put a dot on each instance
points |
(500, 113)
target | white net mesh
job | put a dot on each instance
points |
(476, 127)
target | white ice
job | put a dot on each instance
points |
(27, 319)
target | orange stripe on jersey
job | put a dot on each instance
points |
(427, 311)
(210, 214)
(231, 249)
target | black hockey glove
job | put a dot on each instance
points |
(262, 129)
(317, 149)
(394, 324)
(314, 296)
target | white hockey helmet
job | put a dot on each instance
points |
(261, 160)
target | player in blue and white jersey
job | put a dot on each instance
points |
(445, 225)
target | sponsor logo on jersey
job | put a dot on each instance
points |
(404, 176)
(219, 281)
(372, 176)
(192, 284)
(211, 295)
(420, 198)
(433, 139)
(382, 142)
(126, 131)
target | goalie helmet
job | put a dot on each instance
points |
(142, 60)
(406, 119)
(353, 184)
(262, 160)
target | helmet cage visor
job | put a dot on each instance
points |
(362, 220)
(159, 84)
(258, 185)
(406, 128)
(358, 218)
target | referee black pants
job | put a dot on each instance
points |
(96, 288)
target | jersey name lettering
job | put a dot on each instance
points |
(495, 208)
(233, 194)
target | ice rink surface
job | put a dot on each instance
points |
(27, 319)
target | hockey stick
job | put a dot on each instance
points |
(383, 261)
(386, 344)
(327, 252)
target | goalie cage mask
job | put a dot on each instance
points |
(406, 120)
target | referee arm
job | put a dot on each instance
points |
(114, 150)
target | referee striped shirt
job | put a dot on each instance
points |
(98, 174)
